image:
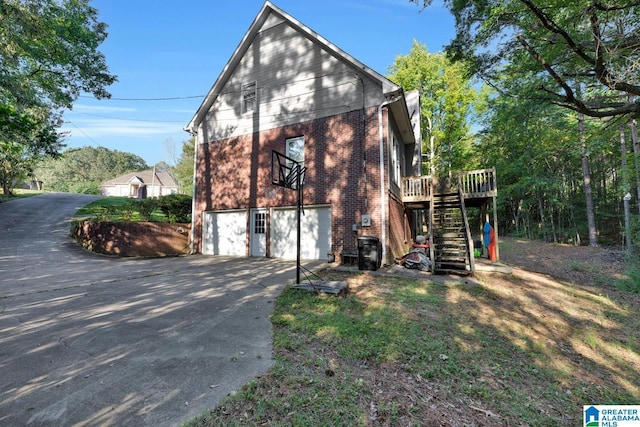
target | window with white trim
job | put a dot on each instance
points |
(249, 97)
(396, 160)
(260, 223)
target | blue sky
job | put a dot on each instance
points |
(167, 55)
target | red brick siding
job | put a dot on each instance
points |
(235, 173)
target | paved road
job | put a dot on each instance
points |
(89, 340)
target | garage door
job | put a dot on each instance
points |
(315, 233)
(224, 233)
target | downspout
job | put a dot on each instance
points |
(383, 237)
(383, 215)
(194, 134)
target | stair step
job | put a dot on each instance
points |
(453, 257)
(452, 271)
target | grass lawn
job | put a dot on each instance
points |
(495, 350)
(19, 193)
(118, 209)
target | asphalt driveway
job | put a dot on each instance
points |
(89, 340)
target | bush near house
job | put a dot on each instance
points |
(176, 207)
(170, 208)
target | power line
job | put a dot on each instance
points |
(174, 98)
(81, 131)
(129, 120)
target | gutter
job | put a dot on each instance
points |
(383, 215)
(194, 134)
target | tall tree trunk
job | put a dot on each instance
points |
(636, 158)
(591, 218)
(623, 161)
(553, 225)
(543, 225)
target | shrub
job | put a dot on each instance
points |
(176, 207)
(86, 187)
(146, 208)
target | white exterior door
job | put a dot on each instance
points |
(224, 233)
(315, 239)
(258, 238)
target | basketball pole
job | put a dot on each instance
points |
(298, 230)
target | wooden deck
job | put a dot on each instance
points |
(447, 199)
(475, 185)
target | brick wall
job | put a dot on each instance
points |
(342, 157)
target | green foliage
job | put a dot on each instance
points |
(49, 52)
(87, 187)
(631, 281)
(146, 207)
(448, 101)
(83, 169)
(122, 209)
(25, 137)
(184, 168)
(555, 48)
(176, 207)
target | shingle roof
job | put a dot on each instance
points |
(162, 179)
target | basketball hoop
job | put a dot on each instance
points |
(286, 172)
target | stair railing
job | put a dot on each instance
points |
(431, 231)
(470, 254)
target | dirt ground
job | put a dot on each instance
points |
(580, 265)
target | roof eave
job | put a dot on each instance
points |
(402, 118)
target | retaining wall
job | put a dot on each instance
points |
(129, 239)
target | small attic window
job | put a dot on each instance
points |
(249, 97)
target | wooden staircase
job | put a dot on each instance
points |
(450, 237)
(451, 246)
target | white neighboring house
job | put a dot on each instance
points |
(140, 185)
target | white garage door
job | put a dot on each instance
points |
(315, 226)
(224, 233)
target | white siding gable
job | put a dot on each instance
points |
(297, 80)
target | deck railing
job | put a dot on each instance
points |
(473, 184)
(478, 183)
(416, 188)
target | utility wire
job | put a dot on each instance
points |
(148, 99)
(81, 131)
(174, 98)
(129, 120)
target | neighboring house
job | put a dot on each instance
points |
(140, 185)
(288, 89)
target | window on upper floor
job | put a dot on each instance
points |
(396, 160)
(249, 97)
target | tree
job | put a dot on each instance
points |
(447, 100)
(184, 168)
(25, 137)
(582, 55)
(49, 53)
(82, 170)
